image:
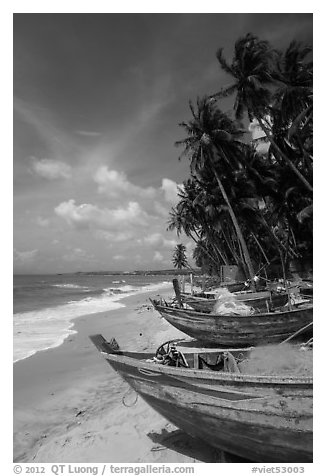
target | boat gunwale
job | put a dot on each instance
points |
(163, 307)
(208, 374)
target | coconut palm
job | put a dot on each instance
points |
(202, 259)
(300, 136)
(294, 78)
(179, 258)
(189, 217)
(253, 69)
(292, 106)
(212, 144)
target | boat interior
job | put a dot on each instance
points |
(173, 354)
(302, 304)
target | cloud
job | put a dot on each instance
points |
(115, 237)
(255, 129)
(115, 184)
(77, 254)
(117, 187)
(157, 239)
(88, 133)
(170, 190)
(190, 246)
(119, 258)
(43, 222)
(25, 256)
(51, 169)
(132, 222)
(158, 257)
(257, 134)
(161, 210)
(90, 216)
(43, 123)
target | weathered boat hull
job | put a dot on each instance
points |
(264, 419)
(233, 331)
(256, 300)
(233, 287)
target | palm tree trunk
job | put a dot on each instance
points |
(278, 242)
(306, 155)
(229, 243)
(260, 247)
(207, 228)
(284, 156)
(215, 247)
(237, 227)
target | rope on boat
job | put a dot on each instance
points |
(309, 342)
(297, 333)
(129, 392)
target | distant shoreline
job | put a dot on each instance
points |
(166, 272)
(136, 273)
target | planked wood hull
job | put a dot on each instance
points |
(232, 331)
(256, 300)
(264, 419)
(233, 287)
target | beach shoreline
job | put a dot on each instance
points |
(70, 406)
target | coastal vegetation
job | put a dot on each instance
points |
(249, 201)
(179, 258)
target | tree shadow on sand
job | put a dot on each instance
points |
(180, 442)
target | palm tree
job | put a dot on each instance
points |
(294, 82)
(292, 106)
(179, 258)
(212, 144)
(202, 259)
(253, 68)
(189, 216)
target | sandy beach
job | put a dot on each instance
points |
(70, 406)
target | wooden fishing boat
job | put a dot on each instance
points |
(263, 300)
(233, 287)
(231, 330)
(261, 418)
(307, 289)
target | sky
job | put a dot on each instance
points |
(97, 103)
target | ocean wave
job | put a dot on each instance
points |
(130, 289)
(70, 286)
(23, 348)
(46, 328)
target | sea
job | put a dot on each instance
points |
(45, 305)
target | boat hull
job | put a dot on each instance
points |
(234, 331)
(263, 419)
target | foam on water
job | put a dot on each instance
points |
(70, 286)
(49, 327)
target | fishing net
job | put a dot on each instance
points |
(278, 360)
(227, 304)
